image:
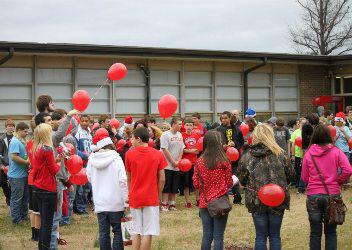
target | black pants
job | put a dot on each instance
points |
(237, 198)
(5, 186)
(47, 206)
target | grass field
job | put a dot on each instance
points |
(182, 229)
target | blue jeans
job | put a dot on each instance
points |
(317, 212)
(19, 199)
(57, 218)
(80, 202)
(70, 199)
(213, 229)
(267, 225)
(105, 220)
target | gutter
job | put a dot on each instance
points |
(7, 57)
(245, 82)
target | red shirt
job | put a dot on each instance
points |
(190, 142)
(143, 164)
(45, 169)
(216, 181)
(199, 130)
(31, 161)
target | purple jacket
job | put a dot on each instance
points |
(328, 158)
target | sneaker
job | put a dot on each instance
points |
(164, 208)
(172, 208)
(188, 205)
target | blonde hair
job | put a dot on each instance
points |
(42, 136)
(264, 134)
(157, 131)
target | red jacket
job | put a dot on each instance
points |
(216, 181)
(45, 169)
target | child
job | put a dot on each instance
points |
(84, 141)
(296, 156)
(106, 173)
(190, 152)
(146, 178)
(171, 144)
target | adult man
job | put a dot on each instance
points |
(171, 144)
(45, 103)
(4, 161)
(18, 174)
(232, 137)
(146, 178)
(236, 117)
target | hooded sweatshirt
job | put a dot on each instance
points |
(106, 172)
(328, 158)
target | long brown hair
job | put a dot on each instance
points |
(213, 153)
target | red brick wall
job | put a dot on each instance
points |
(314, 82)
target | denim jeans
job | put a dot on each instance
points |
(57, 218)
(47, 206)
(70, 199)
(213, 229)
(317, 212)
(80, 202)
(267, 225)
(105, 220)
(19, 199)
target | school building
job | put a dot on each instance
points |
(208, 82)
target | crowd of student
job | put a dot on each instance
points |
(135, 169)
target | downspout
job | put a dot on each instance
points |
(245, 82)
(7, 57)
(146, 72)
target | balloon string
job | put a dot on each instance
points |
(98, 90)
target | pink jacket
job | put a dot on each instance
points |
(329, 159)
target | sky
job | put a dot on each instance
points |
(236, 25)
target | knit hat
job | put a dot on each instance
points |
(101, 138)
(129, 119)
(341, 115)
(250, 113)
(272, 120)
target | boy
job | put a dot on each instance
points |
(189, 152)
(296, 156)
(171, 144)
(232, 137)
(146, 179)
(197, 125)
(18, 174)
(84, 141)
(282, 135)
(4, 161)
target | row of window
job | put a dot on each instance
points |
(266, 92)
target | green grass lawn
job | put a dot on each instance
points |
(182, 229)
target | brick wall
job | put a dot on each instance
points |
(313, 82)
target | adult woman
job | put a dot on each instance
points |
(264, 163)
(214, 169)
(155, 134)
(328, 159)
(44, 170)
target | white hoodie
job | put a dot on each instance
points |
(106, 172)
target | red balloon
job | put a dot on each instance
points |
(184, 165)
(350, 143)
(6, 169)
(250, 140)
(80, 178)
(316, 101)
(100, 134)
(95, 125)
(120, 145)
(117, 72)
(298, 142)
(151, 143)
(232, 153)
(332, 131)
(80, 100)
(71, 148)
(271, 195)
(199, 144)
(167, 106)
(74, 164)
(114, 123)
(244, 129)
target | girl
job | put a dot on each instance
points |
(264, 163)
(214, 169)
(45, 168)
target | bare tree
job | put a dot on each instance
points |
(325, 28)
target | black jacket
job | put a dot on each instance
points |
(4, 150)
(231, 133)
